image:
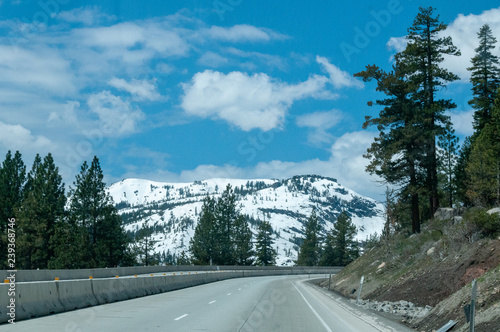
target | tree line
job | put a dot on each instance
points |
(223, 237)
(338, 248)
(416, 152)
(52, 230)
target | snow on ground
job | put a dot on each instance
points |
(285, 204)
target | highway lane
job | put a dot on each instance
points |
(274, 303)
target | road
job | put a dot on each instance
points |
(277, 303)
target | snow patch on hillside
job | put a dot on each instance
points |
(173, 208)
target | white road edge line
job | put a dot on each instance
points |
(314, 311)
(212, 302)
(181, 317)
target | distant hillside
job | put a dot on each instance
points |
(172, 209)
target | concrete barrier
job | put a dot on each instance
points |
(35, 299)
(49, 275)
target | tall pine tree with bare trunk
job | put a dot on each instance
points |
(422, 61)
(485, 78)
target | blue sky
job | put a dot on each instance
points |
(189, 90)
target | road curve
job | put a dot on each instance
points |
(274, 303)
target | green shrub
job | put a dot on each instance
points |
(487, 224)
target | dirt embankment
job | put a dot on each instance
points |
(432, 268)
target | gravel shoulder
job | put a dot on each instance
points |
(382, 320)
(427, 273)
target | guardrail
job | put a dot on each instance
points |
(49, 275)
(39, 293)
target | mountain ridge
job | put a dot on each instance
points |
(170, 210)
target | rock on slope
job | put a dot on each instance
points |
(172, 209)
(434, 268)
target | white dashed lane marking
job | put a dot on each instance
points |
(181, 317)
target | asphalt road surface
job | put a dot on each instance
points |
(275, 303)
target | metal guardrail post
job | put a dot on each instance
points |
(473, 305)
(360, 288)
(448, 326)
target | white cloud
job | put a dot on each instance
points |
(128, 45)
(241, 33)
(273, 61)
(245, 101)
(37, 69)
(324, 120)
(338, 78)
(16, 137)
(320, 122)
(346, 164)
(212, 59)
(463, 31)
(462, 122)
(397, 44)
(117, 117)
(67, 115)
(88, 16)
(164, 68)
(139, 89)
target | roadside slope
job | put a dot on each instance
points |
(434, 268)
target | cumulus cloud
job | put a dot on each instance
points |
(463, 31)
(212, 59)
(319, 123)
(117, 117)
(273, 61)
(338, 78)
(397, 44)
(87, 16)
(346, 164)
(67, 115)
(139, 89)
(127, 47)
(35, 69)
(241, 33)
(246, 101)
(462, 122)
(16, 137)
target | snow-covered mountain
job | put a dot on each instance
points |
(172, 209)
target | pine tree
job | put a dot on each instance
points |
(204, 242)
(485, 78)
(226, 215)
(341, 247)
(183, 259)
(421, 59)
(448, 143)
(41, 210)
(310, 248)
(243, 242)
(145, 243)
(396, 155)
(222, 234)
(483, 167)
(266, 254)
(105, 241)
(462, 179)
(70, 246)
(12, 181)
